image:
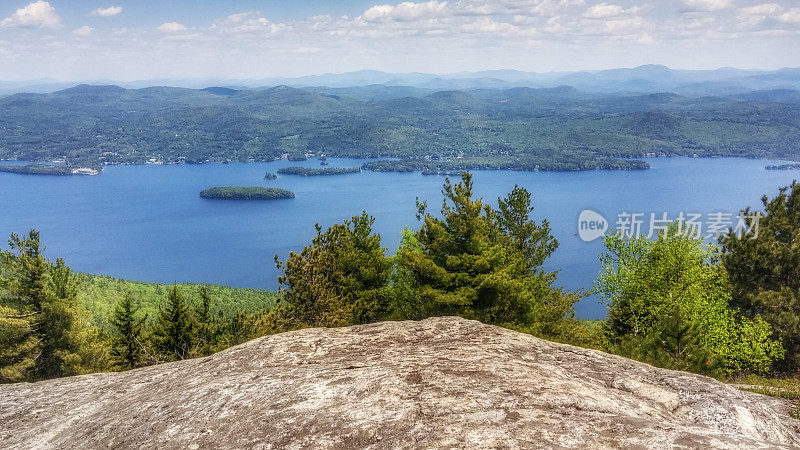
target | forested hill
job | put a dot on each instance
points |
(93, 125)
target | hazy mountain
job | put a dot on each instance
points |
(643, 79)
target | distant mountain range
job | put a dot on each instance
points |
(643, 79)
(525, 128)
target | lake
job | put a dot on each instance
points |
(148, 223)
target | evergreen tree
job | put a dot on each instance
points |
(206, 326)
(674, 342)
(480, 263)
(764, 268)
(174, 329)
(127, 343)
(18, 344)
(513, 218)
(340, 279)
(47, 333)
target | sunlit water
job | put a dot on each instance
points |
(148, 223)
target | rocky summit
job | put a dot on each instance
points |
(436, 383)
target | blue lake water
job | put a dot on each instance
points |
(148, 223)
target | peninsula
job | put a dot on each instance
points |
(309, 172)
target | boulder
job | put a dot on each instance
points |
(437, 383)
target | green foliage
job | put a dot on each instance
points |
(310, 172)
(128, 324)
(174, 333)
(340, 279)
(519, 128)
(46, 331)
(557, 163)
(668, 304)
(480, 263)
(207, 328)
(765, 271)
(674, 341)
(37, 169)
(99, 295)
(246, 193)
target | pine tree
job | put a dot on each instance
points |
(764, 268)
(173, 334)
(48, 334)
(480, 263)
(206, 327)
(513, 218)
(127, 343)
(18, 344)
(340, 279)
(676, 342)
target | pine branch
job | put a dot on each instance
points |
(22, 316)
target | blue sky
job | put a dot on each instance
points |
(76, 40)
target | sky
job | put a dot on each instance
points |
(79, 40)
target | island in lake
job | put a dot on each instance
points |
(246, 193)
(308, 172)
(270, 176)
(793, 166)
(47, 169)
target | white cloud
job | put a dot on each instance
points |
(790, 16)
(603, 10)
(487, 25)
(172, 27)
(646, 39)
(708, 5)
(766, 9)
(624, 26)
(531, 8)
(405, 12)
(83, 31)
(38, 14)
(111, 11)
(248, 22)
(307, 50)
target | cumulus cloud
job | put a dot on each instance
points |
(405, 12)
(520, 8)
(172, 27)
(83, 31)
(111, 11)
(38, 14)
(629, 25)
(769, 15)
(603, 10)
(646, 39)
(791, 16)
(248, 22)
(708, 5)
(766, 9)
(487, 25)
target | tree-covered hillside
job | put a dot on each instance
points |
(92, 125)
(100, 294)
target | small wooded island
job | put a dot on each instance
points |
(309, 172)
(793, 166)
(246, 193)
(47, 169)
